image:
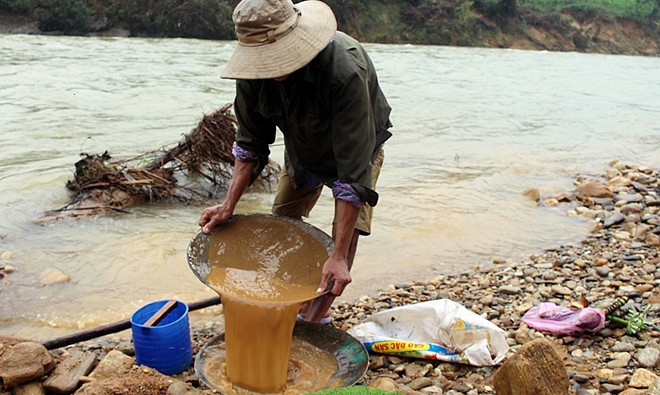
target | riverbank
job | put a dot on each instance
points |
(619, 258)
(470, 24)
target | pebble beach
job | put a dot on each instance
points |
(619, 257)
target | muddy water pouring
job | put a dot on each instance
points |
(264, 267)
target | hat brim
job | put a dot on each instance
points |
(316, 28)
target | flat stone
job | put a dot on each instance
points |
(644, 287)
(639, 186)
(632, 258)
(629, 197)
(558, 289)
(613, 219)
(593, 189)
(510, 289)
(433, 389)
(420, 383)
(623, 346)
(619, 360)
(618, 379)
(115, 364)
(66, 376)
(611, 388)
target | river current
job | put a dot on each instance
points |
(473, 128)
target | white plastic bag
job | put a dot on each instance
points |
(438, 329)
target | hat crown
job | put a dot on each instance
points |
(276, 37)
(259, 22)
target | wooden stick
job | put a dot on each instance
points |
(161, 313)
(114, 327)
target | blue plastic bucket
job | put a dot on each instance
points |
(165, 346)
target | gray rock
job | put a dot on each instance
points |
(580, 378)
(648, 357)
(629, 197)
(558, 289)
(510, 289)
(619, 360)
(655, 388)
(623, 346)
(611, 388)
(613, 219)
(618, 379)
(420, 382)
(603, 271)
(462, 388)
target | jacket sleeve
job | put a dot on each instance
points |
(353, 134)
(254, 132)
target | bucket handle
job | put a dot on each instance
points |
(161, 313)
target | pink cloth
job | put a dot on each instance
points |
(559, 319)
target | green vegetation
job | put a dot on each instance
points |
(62, 15)
(444, 22)
(156, 18)
(636, 9)
(355, 390)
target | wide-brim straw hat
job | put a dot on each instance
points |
(277, 37)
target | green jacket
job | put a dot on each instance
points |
(332, 113)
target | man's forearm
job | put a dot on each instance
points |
(347, 215)
(239, 181)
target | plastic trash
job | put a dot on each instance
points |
(550, 317)
(438, 329)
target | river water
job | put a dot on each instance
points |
(473, 129)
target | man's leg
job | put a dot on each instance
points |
(294, 203)
(320, 306)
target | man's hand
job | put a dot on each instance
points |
(335, 272)
(215, 215)
(219, 214)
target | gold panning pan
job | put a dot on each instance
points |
(253, 250)
(308, 372)
(264, 266)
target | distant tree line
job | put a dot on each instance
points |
(211, 18)
(159, 18)
(417, 21)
